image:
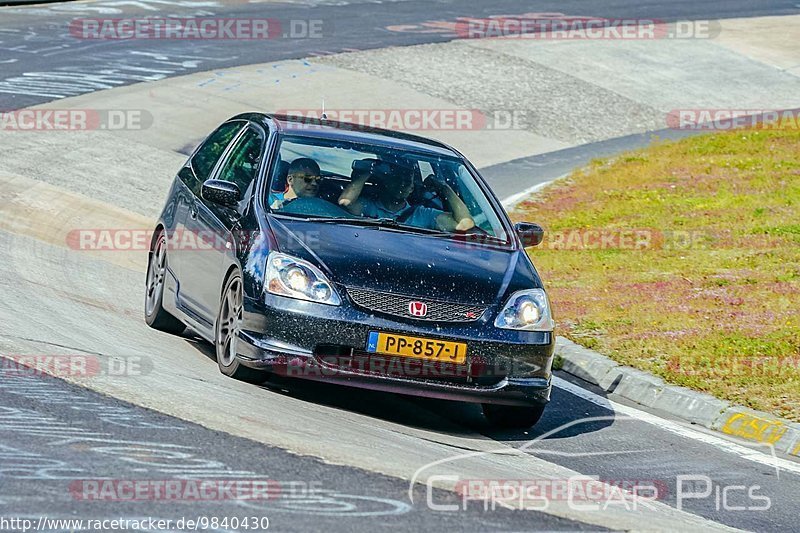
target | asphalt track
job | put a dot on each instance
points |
(59, 439)
(357, 446)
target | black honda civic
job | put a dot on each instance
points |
(334, 252)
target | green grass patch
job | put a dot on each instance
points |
(709, 298)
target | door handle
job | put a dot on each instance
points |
(193, 211)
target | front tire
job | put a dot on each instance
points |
(226, 333)
(154, 313)
(513, 417)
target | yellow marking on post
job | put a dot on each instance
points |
(796, 450)
(754, 428)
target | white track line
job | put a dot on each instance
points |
(515, 198)
(682, 430)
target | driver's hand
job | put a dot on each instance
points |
(359, 174)
(434, 184)
(465, 224)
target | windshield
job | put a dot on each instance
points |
(370, 184)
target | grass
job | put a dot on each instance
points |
(683, 260)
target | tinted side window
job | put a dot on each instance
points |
(187, 176)
(241, 166)
(204, 160)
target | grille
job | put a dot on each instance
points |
(398, 305)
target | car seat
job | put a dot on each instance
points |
(279, 184)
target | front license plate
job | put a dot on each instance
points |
(417, 347)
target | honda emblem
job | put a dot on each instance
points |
(417, 309)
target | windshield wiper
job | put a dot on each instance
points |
(301, 216)
(391, 223)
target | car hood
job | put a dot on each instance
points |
(412, 264)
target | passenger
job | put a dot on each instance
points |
(302, 181)
(393, 192)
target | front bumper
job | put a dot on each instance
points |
(326, 343)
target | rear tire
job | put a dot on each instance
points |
(154, 313)
(226, 333)
(513, 417)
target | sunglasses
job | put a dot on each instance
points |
(308, 179)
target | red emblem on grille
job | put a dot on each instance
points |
(417, 309)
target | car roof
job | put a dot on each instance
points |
(313, 127)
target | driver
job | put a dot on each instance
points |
(393, 191)
(302, 180)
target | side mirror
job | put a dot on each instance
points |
(529, 234)
(221, 192)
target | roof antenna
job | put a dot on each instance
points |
(324, 116)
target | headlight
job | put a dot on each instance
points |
(527, 310)
(295, 278)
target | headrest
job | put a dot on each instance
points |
(279, 179)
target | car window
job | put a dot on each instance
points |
(427, 191)
(187, 176)
(241, 166)
(214, 146)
